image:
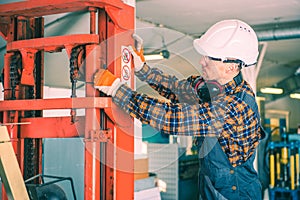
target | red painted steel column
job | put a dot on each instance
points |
(115, 27)
(119, 35)
(92, 148)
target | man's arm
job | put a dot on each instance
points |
(168, 86)
(168, 117)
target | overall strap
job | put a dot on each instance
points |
(250, 100)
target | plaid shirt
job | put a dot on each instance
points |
(226, 117)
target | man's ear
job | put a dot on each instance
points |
(231, 67)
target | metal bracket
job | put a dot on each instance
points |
(4, 27)
(28, 56)
(99, 135)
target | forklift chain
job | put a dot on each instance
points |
(15, 76)
(31, 160)
(75, 62)
(76, 59)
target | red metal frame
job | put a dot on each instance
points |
(52, 44)
(51, 104)
(109, 149)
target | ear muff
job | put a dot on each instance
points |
(208, 89)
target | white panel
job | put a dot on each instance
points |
(149, 194)
(129, 2)
(163, 161)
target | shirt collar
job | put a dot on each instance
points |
(231, 86)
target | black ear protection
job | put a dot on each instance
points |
(208, 89)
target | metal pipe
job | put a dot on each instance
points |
(279, 34)
(292, 166)
(92, 20)
(260, 58)
(278, 31)
(272, 165)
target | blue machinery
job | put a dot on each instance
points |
(284, 168)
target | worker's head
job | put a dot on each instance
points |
(227, 46)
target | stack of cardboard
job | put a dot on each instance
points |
(145, 187)
(141, 169)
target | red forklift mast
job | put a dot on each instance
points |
(106, 131)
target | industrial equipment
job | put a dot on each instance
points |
(108, 140)
(284, 168)
(49, 189)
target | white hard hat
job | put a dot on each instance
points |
(229, 39)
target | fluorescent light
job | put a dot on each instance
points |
(153, 57)
(163, 54)
(269, 90)
(295, 95)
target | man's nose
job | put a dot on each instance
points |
(203, 61)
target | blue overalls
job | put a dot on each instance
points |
(218, 179)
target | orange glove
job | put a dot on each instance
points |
(138, 53)
(138, 58)
(106, 82)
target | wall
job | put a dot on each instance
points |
(287, 104)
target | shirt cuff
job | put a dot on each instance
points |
(123, 96)
(144, 72)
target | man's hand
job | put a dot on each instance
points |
(106, 82)
(138, 42)
(138, 58)
(137, 53)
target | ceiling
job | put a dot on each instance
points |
(176, 23)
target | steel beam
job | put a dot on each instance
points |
(33, 8)
(46, 127)
(51, 104)
(54, 43)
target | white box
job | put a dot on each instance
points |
(149, 194)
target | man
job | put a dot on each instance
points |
(218, 108)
